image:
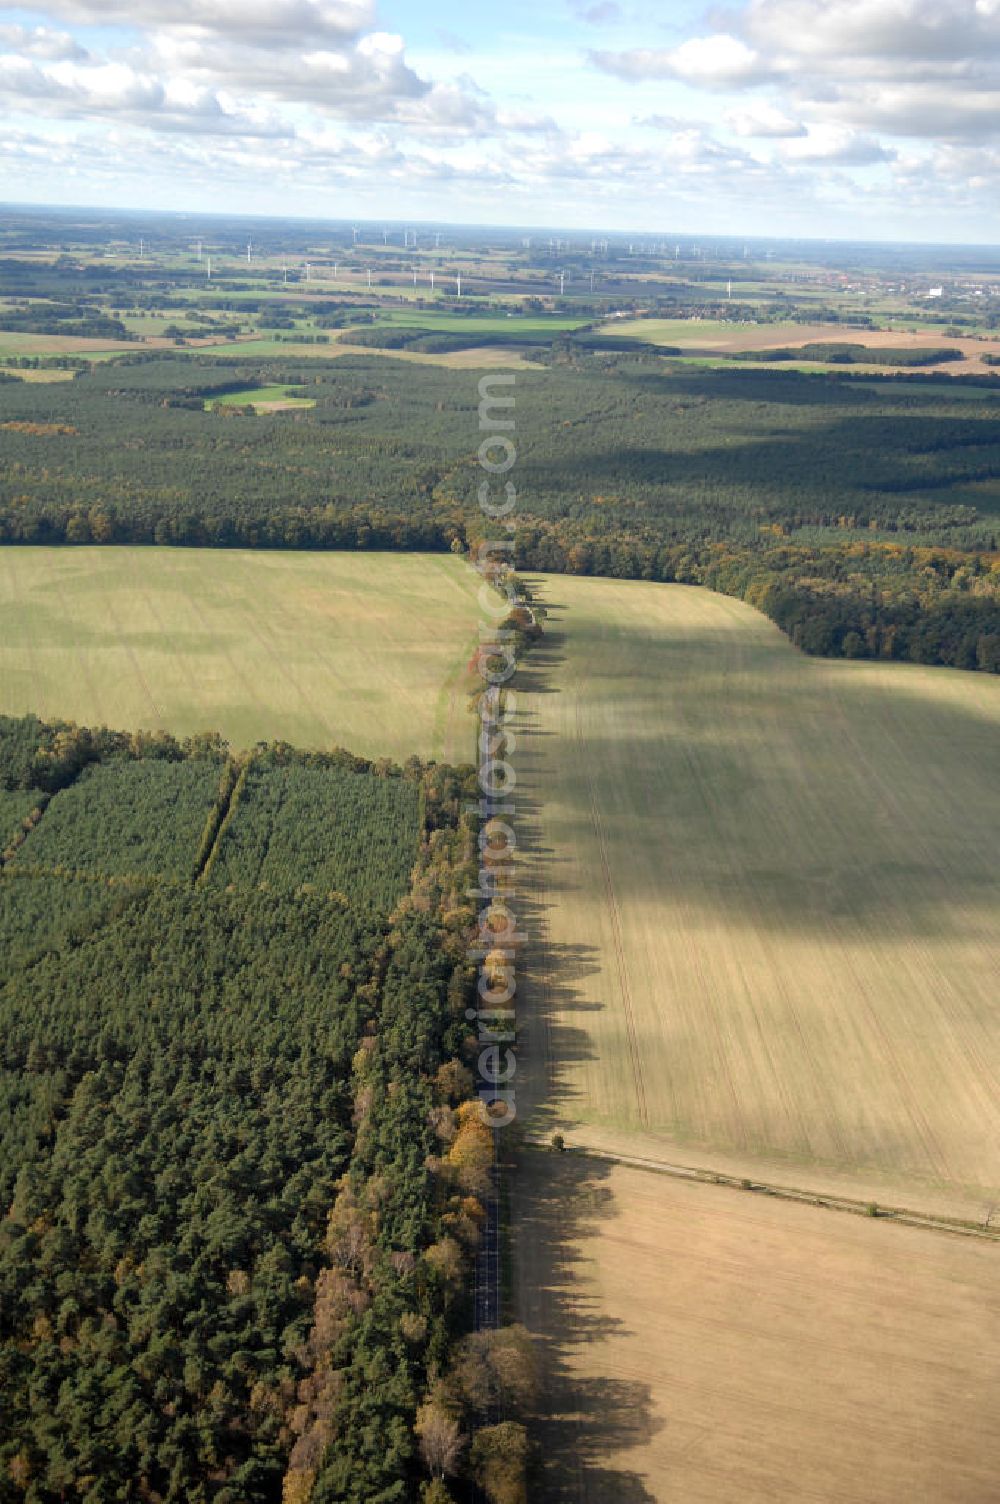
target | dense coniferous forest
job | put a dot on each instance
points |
(121, 819)
(329, 828)
(861, 515)
(242, 1178)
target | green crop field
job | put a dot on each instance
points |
(263, 396)
(367, 651)
(770, 889)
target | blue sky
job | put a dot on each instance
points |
(832, 118)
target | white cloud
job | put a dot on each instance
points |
(876, 104)
(762, 119)
(285, 22)
(836, 144)
(921, 68)
(713, 62)
(933, 110)
(113, 90)
(898, 31)
(41, 42)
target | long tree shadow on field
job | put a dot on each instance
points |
(584, 1420)
(550, 974)
(558, 1200)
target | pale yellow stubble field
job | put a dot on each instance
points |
(770, 894)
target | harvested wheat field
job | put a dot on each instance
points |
(765, 894)
(366, 651)
(712, 336)
(710, 1346)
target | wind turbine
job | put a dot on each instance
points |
(210, 268)
(354, 232)
(249, 252)
(369, 271)
(432, 281)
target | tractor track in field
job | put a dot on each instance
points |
(616, 926)
(881, 1212)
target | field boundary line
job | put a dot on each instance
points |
(616, 924)
(901, 1215)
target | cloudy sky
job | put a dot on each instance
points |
(839, 118)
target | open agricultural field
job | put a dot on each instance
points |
(367, 651)
(720, 338)
(42, 375)
(769, 890)
(478, 323)
(474, 358)
(705, 1346)
(478, 357)
(12, 342)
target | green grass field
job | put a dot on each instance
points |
(367, 651)
(771, 893)
(264, 397)
(486, 323)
